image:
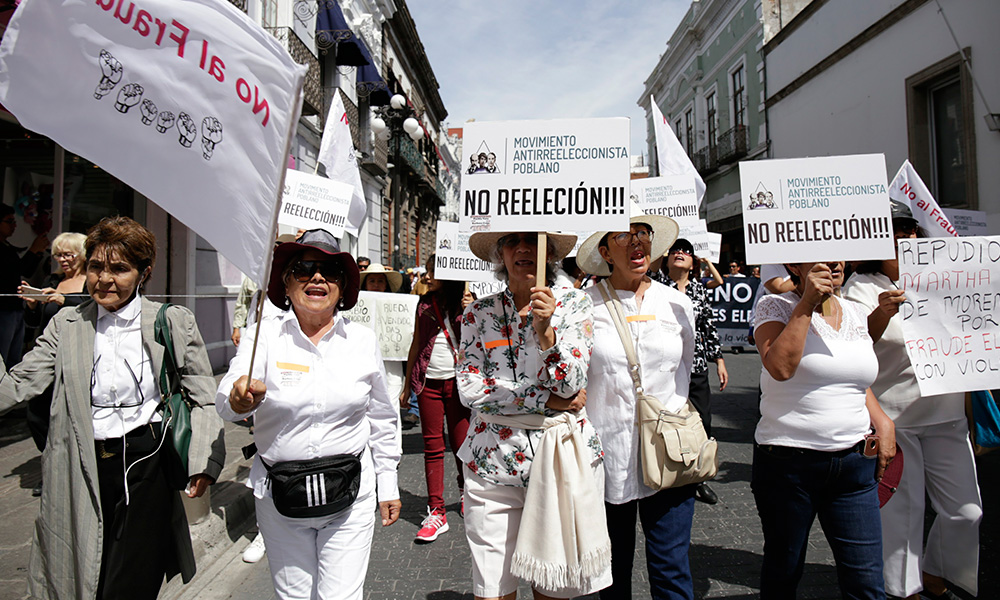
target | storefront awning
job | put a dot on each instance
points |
(332, 29)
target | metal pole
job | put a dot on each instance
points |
(397, 203)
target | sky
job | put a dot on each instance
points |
(545, 59)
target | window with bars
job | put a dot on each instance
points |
(689, 130)
(739, 97)
(710, 119)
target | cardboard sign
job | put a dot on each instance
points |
(453, 259)
(391, 317)
(696, 232)
(714, 246)
(671, 196)
(732, 303)
(486, 288)
(816, 209)
(951, 317)
(314, 202)
(967, 222)
(559, 175)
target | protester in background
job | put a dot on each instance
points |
(325, 396)
(101, 361)
(514, 368)
(810, 454)
(662, 322)
(755, 272)
(363, 262)
(734, 270)
(678, 272)
(933, 434)
(418, 286)
(13, 266)
(710, 276)
(430, 374)
(376, 278)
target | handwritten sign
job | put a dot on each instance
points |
(558, 175)
(391, 317)
(732, 303)
(951, 317)
(816, 209)
(314, 202)
(453, 259)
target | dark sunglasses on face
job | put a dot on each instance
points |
(514, 239)
(304, 270)
(683, 251)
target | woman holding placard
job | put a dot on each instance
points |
(933, 434)
(522, 364)
(812, 456)
(431, 376)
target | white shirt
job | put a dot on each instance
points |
(321, 400)
(120, 361)
(822, 406)
(767, 273)
(896, 387)
(663, 336)
(442, 360)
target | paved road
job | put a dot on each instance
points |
(726, 541)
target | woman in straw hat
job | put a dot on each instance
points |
(523, 360)
(376, 278)
(661, 320)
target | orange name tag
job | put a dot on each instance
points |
(284, 366)
(496, 344)
(634, 318)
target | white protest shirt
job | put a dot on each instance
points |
(120, 361)
(896, 386)
(322, 399)
(662, 331)
(442, 360)
(822, 406)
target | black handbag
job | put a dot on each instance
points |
(176, 407)
(315, 488)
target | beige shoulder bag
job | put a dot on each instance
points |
(674, 448)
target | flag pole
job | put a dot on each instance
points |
(292, 125)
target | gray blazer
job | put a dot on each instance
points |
(69, 531)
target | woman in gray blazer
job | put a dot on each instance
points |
(109, 525)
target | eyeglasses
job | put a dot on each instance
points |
(66, 255)
(131, 400)
(734, 266)
(624, 239)
(683, 251)
(304, 270)
(514, 239)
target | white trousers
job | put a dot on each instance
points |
(937, 459)
(318, 558)
(394, 376)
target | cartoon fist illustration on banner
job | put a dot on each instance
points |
(128, 97)
(148, 110)
(211, 134)
(111, 74)
(187, 128)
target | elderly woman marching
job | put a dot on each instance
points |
(324, 424)
(522, 363)
(111, 525)
(662, 323)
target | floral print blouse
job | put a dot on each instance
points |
(502, 371)
(707, 347)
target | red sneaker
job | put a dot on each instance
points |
(432, 526)
(461, 504)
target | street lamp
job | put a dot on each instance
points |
(393, 121)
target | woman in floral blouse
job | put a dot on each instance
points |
(524, 351)
(676, 273)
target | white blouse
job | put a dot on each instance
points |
(321, 400)
(663, 336)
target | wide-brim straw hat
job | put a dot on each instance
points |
(314, 239)
(665, 231)
(483, 244)
(395, 278)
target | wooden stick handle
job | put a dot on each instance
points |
(543, 244)
(828, 304)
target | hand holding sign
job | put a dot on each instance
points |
(818, 285)
(889, 302)
(543, 305)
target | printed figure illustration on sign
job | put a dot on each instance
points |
(761, 198)
(483, 160)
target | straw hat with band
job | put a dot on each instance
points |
(483, 244)
(314, 239)
(395, 278)
(665, 231)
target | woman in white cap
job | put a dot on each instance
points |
(523, 357)
(661, 320)
(324, 424)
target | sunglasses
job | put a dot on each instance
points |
(304, 270)
(683, 251)
(625, 238)
(515, 238)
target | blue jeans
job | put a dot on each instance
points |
(792, 487)
(11, 336)
(666, 522)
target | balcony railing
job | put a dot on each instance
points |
(313, 91)
(706, 160)
(733, 144)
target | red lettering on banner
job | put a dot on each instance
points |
(142, 21)
(118, 12)
(261, 104)
(108, 5)
(163, 28)
(180, 39)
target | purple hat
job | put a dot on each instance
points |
(314, 239)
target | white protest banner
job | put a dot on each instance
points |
(187, 101)
(558, 175)
(968, 222)
(453, 259)
(391, 317)
(673, 196)
(816, 209)
(670, 155)
(714, 253)
(336, 154)
(314, 202)
(951, 316)
(907, 187)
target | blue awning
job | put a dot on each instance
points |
(332, 28)
(371, 82)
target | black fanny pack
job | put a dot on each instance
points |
(315, 488)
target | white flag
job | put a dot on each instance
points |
(671, 157)
(187, 101)
(336, 154)
(909, 189)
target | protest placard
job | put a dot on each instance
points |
(189, 102)
(714, 247)
(732, 303)
(391, 317)
(671, 196)
(967, 222)
(453, 259)
(816, 209)
(951, 316)
(558, 175)
(696, 232)
(314, 202)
